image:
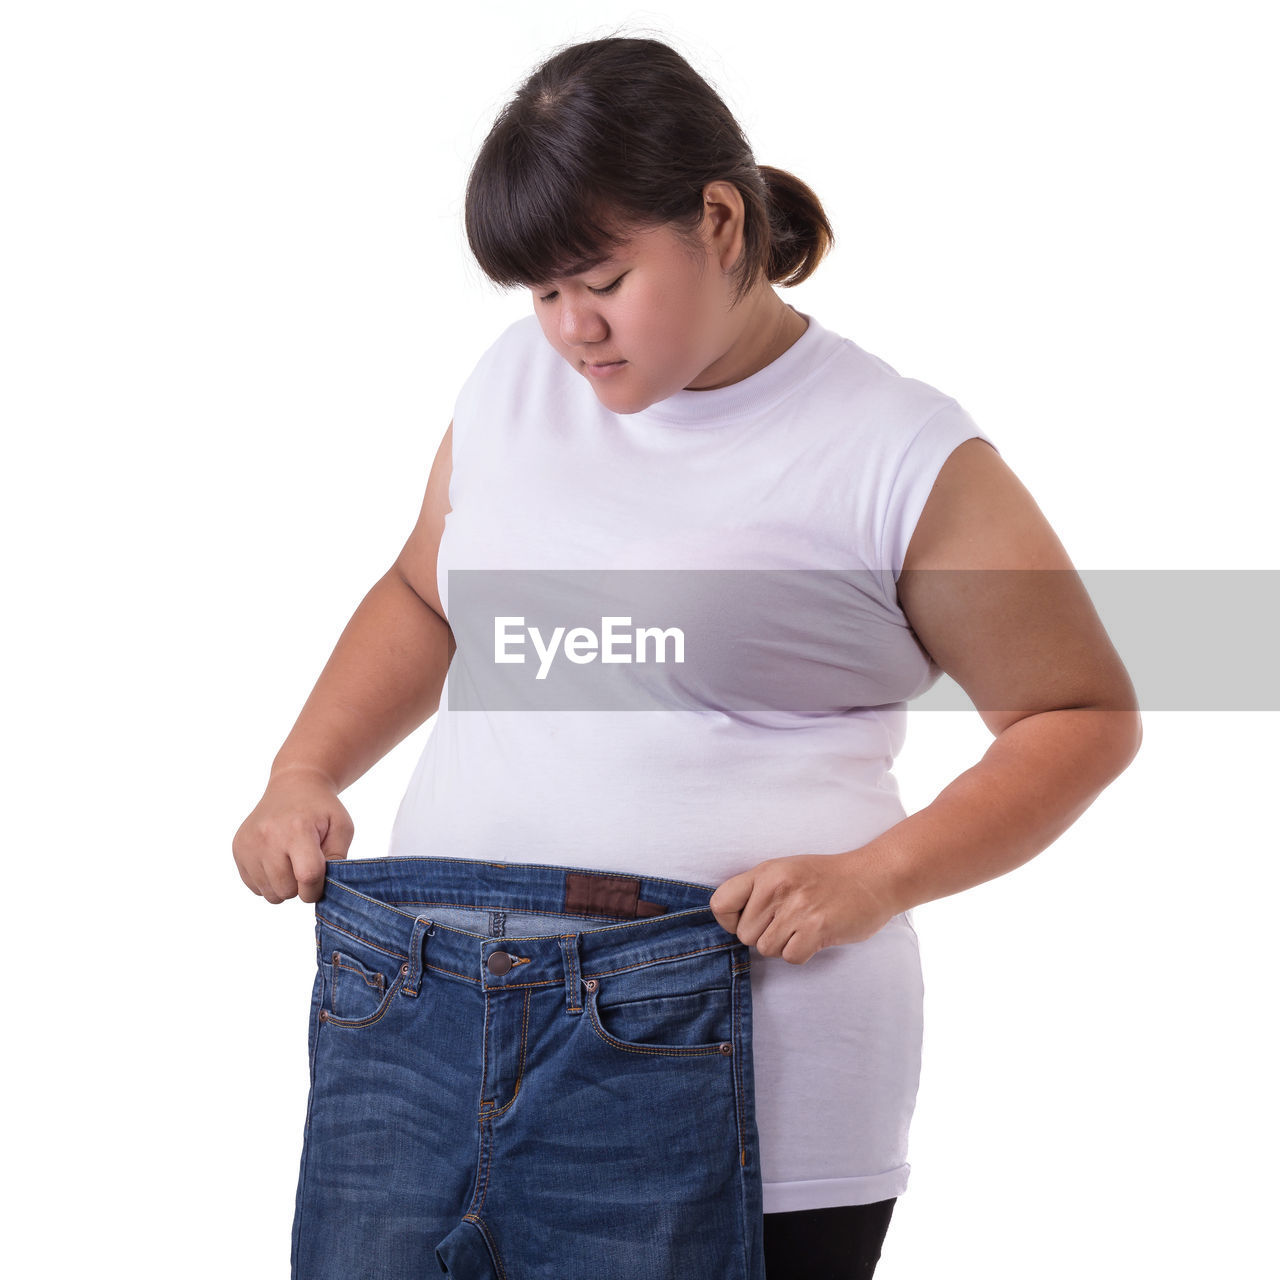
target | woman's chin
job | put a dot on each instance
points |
(617, 400)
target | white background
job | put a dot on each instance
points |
(237, 305)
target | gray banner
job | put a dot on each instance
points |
(814, 642)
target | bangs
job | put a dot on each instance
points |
(530, 219)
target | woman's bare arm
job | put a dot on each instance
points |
(992, 595)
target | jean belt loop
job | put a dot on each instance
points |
(422, 928)
(570, 944)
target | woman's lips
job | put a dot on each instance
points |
(605, 370)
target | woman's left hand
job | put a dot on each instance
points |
(794, 907)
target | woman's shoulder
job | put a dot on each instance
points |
(861, 388)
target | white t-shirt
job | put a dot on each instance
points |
(778, 741)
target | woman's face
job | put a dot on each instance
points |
(663, 313)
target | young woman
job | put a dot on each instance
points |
(664, 410)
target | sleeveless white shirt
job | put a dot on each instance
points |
(776, 736)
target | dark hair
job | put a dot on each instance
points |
(620, 134)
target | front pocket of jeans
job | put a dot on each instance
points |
(359, 979)
(361, 1005)
(630, 1014)
(356, 991)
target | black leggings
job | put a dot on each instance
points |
(826, 1244)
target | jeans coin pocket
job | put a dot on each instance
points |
(358, 978)
(681, 1007)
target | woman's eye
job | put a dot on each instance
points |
(549, 297)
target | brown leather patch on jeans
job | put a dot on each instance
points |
(588, 895)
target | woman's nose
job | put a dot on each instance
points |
(580, 323)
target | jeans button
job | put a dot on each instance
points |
(499, 963)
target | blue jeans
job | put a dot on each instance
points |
(526, 1073)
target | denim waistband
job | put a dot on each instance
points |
(626, 919)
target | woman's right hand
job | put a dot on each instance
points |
(282, 846)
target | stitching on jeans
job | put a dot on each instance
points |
(493, 1248)
(485, 905)
(482, 1169)
(337, 928)
(371, 978)
(524, 1037)
(401, 860)
(484, 1057)
(739, 1100)
(486, 1129)
(552, 982)
(669, 1051)
(571, 976)
(612, 922)
(645, 964)
(466, 977)
(333, 1020)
